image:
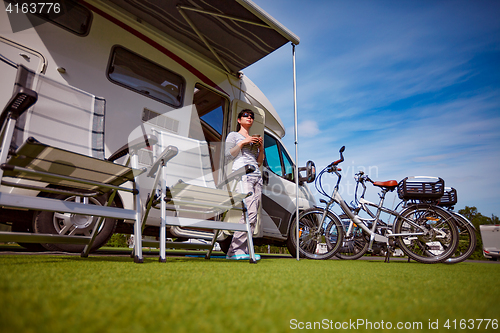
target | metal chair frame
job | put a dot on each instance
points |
(32, 161)
(183, 197)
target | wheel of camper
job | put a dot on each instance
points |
(27, 226)
(437, 237)
(467, 240)
(355, 244)
(320, 234)
(74, 225)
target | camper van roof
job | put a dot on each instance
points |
(234, 34)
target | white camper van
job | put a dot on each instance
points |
(168, 68)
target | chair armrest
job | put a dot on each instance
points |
(134, 145)
(165, 156)
(244, 170)
(22, 98)
(20, 101)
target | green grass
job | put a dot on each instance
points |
(44, 293)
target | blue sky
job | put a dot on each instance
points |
(409, 87)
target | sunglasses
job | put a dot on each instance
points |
(247, 114)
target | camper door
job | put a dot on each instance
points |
(257, 128)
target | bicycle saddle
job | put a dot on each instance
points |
(390, 184)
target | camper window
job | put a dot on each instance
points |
(134, 72)
(272, 161)
(277, 160)
(210, 108)
(76, 18)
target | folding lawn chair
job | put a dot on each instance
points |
(193, 206)
(35, 167)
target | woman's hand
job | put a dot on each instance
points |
(260, 141)
(250, 140)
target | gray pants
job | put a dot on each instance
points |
(253, 184)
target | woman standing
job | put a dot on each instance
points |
(246, 149)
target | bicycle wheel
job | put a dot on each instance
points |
(440, 238)
(467, 239)
(317, 240)
(355, 244)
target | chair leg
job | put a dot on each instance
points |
(134, 162)
(137, 230)
(163, 226)
(7, 131)
(143, 222)
(249, 235)
(214, 239)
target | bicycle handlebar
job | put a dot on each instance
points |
(361, 177)
(340, 160)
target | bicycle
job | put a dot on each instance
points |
(424, 232)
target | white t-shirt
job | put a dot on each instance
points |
(247, 155)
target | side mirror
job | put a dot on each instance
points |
(310, 170)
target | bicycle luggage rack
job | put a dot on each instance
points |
(449, 198)
(421, 188)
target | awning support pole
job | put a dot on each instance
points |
(296, 150)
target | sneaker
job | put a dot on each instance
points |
(238, 257)
(242, 257)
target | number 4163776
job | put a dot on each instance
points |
(471, 324)
(34, 8)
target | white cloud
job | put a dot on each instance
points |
(308, 129)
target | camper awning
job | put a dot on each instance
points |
(232, 33)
